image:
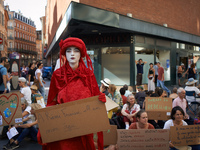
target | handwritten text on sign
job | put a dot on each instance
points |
(72, 119)
(158, 104)
(185, 135)
(143, 139)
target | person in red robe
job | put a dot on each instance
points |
(71, 82)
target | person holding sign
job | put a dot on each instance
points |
(130, 110)
(142, 121)
(71, 82)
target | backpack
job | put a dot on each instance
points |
(1, 77)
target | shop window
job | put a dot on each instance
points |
(182, 46)
(146, 54)
(163, 56)
(116, 64)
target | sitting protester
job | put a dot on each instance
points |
(122, 92)
(197, 118)
(142, 121)
(129, 110)
(24, 130)
(174, 93)
(36, 97)
(140, 96)
(105, 85)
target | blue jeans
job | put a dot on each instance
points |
(23, 132)
(42, 90)
(161, 84)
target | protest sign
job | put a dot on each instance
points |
(72, 119)
(110, 104)
(10, 109)
(158, 108)
(185, 135)
(109, 136)
(143, 139)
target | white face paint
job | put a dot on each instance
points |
(73, 55)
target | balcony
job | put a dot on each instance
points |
(10, 37)
(9, 27)
(25, 51)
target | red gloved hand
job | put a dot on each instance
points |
(102, 97)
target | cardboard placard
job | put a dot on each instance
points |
(72, 119)
(143, 139)
(185, 135)
(110, 104)
(109, 136)
(10, 109)
(158, 108)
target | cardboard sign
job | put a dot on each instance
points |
(109, 136)
(72, 119)
(158, 108)
(185, 135)
(110, 104)
(143, 139)
(10, 109)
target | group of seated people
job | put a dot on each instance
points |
(31, 100)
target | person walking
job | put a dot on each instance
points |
(161, 78)
(3, 70)
(31, 74)
(139, 64)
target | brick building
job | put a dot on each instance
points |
(117, 33)
(3, 29)
(22, 37)
(39, 45)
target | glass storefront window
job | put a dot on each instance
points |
(116, 64)
(147, 55)
(163, 56)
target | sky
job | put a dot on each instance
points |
(33, 9)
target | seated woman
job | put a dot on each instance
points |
(129, 110)
(24, 130)
(142, 121)
(36, 97)
(177, 115)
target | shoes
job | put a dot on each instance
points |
(11, 146)
(5, 146)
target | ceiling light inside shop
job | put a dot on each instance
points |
(139, 48)
(94, 31)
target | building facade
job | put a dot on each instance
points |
(22, 37)
(39, 45)
(3, 29)
(117, 33)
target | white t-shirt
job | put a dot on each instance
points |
(26, 91)
(191, 88)
(169, 123)
(38, 71)
(28, 109)
(135, 107)
(127, 92)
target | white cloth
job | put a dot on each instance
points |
(38, 71)
(26, 91)
(135, 107)
(28, 109)
(151, 85)
(127, 92)
(57, 64)
(170, 123)
(192, 98)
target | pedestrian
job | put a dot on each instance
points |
(105, 85)
(156, 72)
(24, 70)
(151, 78)
(191, 71)
(3, 70)
(139, 64)
(38, 76)
(9, 77)
(161, 78)
(180, 72)
(71, 82)
(31, 74)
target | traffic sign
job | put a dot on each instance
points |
(1, 40)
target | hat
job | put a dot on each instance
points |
(71, 41)
(140, 87)
(191, 81)
(22, 79)
(182, 64)
(106, 82)
(33, 87)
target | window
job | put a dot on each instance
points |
(20, 26)
(23, 27)
(15, 34)
(17, 25)
(23, 35)
(10, 24)
(18, 34)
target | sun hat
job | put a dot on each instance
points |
(33, 87)
(22, 79)
(140, 87)
(106, 82)
(191, 81)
